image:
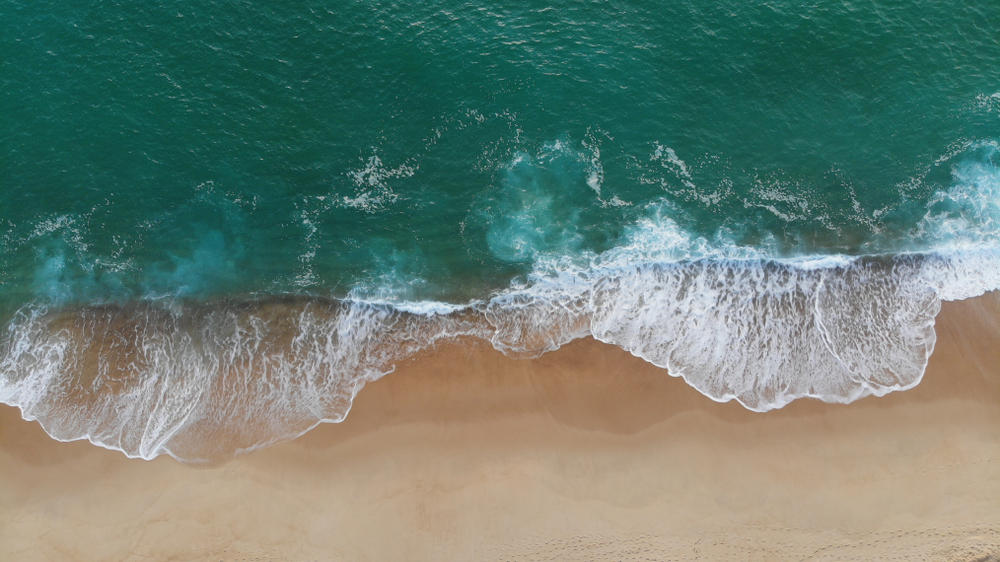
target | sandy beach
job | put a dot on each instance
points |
(584, 454)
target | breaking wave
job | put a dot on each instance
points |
(203, 380)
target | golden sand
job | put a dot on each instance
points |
(586, 453)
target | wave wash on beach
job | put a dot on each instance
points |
(217, 224)
(204, 379)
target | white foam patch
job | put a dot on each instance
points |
(832, 333)
(306, 276)
(675, 177)
(372, 182)
(202, 382)
(988, 102)
(967, 215)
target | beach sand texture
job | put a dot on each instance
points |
(586, 453)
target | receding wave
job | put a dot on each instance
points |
(203, 381)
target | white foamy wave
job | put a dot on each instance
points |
(737, 322)
(206, 381)
(763, 332)
(743, 322)
(831, 333)
(963, 274)
(202, 382)
(746, 323)
(967, 214)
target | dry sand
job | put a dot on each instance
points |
(586, 453)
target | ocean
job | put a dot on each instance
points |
(218, 221)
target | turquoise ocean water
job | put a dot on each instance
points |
(223, 218)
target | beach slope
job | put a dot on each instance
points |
(585, 453)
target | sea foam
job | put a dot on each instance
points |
(202, 380)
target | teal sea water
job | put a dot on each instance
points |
(218, 220)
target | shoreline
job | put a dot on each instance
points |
(173, 378)
(584, 453)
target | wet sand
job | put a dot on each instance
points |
(586, 453)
